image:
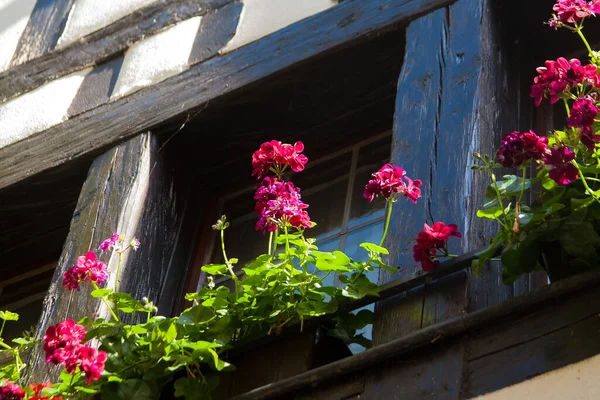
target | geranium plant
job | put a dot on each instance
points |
(115, 358)
(551, 219)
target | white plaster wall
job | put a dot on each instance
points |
(260, 18)
(39, 109)
(14, 15)
(157, 58)
(577, 381)
(88, 16)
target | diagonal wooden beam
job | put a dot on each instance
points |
(112, 123)
(91, 49)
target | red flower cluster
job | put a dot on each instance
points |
(11, 391)
(556, 76)
(432, 239)
(110, 243)
(519, 147)
(573, 11)
(62, 344)
(37, 392)
(281, 154)
(279, 202)
(388, 181)
(583, 114)
(86, 269)
(562, 172)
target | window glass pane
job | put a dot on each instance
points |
(326, 208)
(370, 158)
(372, 234)
(361, 211)
(376, 153)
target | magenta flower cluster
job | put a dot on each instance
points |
(556, 77)
(279, 202)
(519, 147)
(11, 391)
(63, 345)
(573, 11)
(110, 243)
(87, 269)
(430, 241)
(275, 154)
(389, 181)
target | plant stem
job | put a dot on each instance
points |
(524, 174)
(497, 190)
(591, 192)
(2, 328)
(270, 243)
(118, 270)
(387, 221)
(105, 301)
(287, 241)
(585, 42)
(233, 275)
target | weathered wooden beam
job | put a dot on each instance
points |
(446, 109)
(114, 122)
(42, 32)
(432, 336)
(130, 189)
(94, 48)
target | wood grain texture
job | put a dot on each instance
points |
(217, 28)
(114, 122)
(129, 190)
(43, 30)
(447, 107)
(102, 45)
(96, 88)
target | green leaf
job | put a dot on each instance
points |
(335, 261)
(371, 247)
(192, 389)
(196, 315)
(215, 269)
(100, 293)
(316, 308)
(85, 389)
(9, 316)
(131, 389)
(490, 213)
(360, 288)
(580, 239)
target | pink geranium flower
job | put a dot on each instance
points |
(109, 243)
(11, 391)
(519, 147)
(275, 153)
(389, 181)
(87, 269)
(556, 77)
(562, 172)
(60, 341)
(573, 11)
(277, 203)
(430, 241)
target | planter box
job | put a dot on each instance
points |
(280, 358)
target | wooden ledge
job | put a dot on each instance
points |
(512, 308)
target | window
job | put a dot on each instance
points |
(333, 189)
